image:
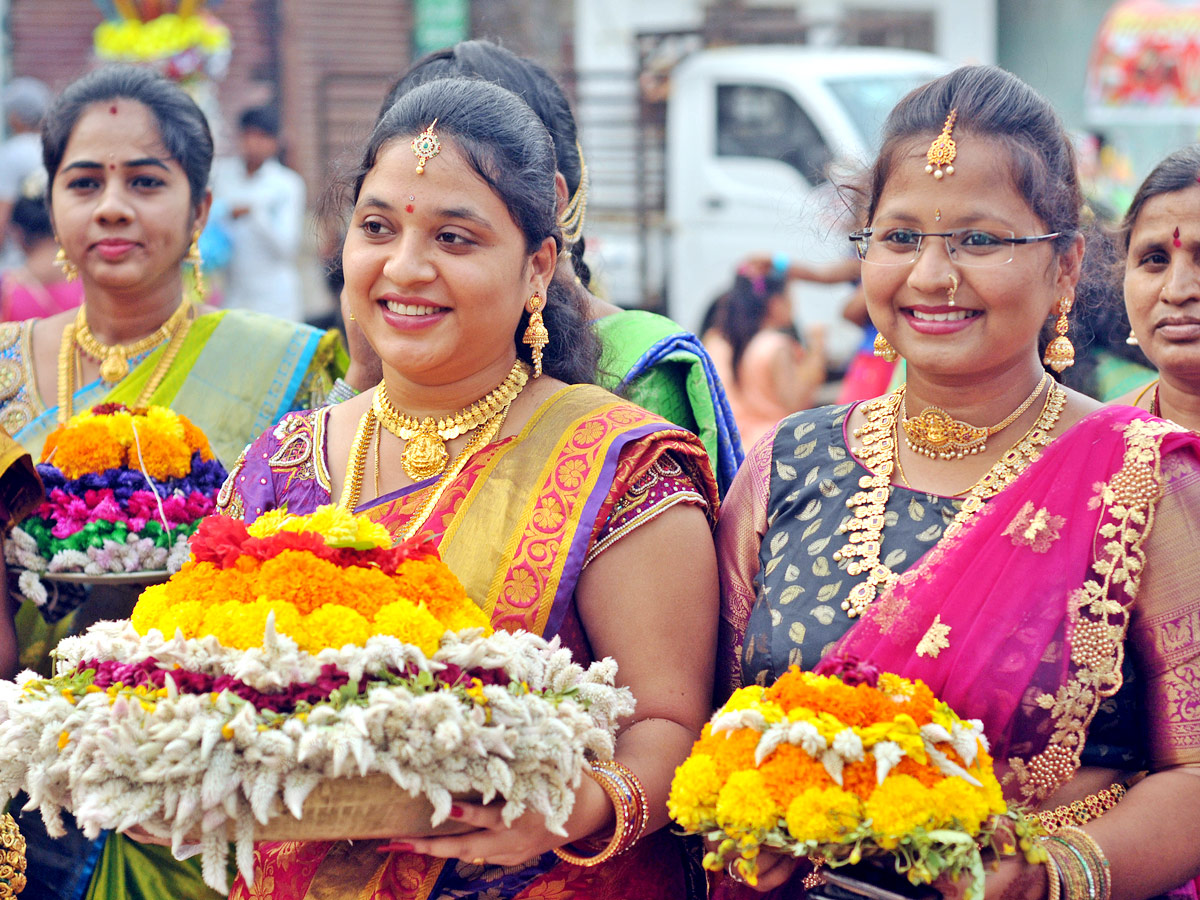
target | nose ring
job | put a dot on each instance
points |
(953, 289)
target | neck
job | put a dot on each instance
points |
(981, 401)
(118, 317)
(1179, 402)
(252, 167)
(416, 397)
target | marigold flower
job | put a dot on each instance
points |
(744, 807)
(693, 798)
(334, 625)
(825, 814)
(410, 624)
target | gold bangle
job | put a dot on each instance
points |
(1093, 858)
(628, 800)
(1053, 879)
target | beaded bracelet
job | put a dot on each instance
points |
(629, 802)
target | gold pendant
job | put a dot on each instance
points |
(425, 454)
(114, 368)
(938, 435)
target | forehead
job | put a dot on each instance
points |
(1169, 210)
(981, 186)
(102, 135)
(448, 180)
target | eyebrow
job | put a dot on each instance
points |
(131, 164)
(462, 212)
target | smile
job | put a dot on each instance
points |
(957, 316)
(408, 309)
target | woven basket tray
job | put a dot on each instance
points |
(344, 809)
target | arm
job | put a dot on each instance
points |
(279, 219)
(660, 625)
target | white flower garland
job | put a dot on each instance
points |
(184, 766)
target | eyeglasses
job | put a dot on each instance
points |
(965, 246)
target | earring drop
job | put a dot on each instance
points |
(194, 259)
(69, 269)
(1132, 340)
(884, 350)
(1060, 353)
(537, 335)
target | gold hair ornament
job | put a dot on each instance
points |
(425, 146)
(943, 149)
(570, 220)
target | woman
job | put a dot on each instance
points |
(35, 288)
(127, 154)
(754, 344)
(1047, 605)
(646, 358)
(450, 273)
(1162, 285)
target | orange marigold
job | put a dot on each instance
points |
(303, 580)
(164, 455)
(730, 751)
(90, 449)
(367, 590)
(195, 438)
(430, 581)
(790, 770)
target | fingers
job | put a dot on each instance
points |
(490, 841)
(774, 870)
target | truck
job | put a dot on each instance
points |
(752, 136)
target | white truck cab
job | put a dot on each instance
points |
(751, 132)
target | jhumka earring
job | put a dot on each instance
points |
(1132, 340)
(536, 335)
(425, 146)
(194, 260)
(952, 290)
(69, 269)
(1060, 354)
(943, 150)
(884, 350)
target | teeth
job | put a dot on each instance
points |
(957, 316)
(405, 309)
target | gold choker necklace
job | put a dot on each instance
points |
(114, 358)
(879, 455)
(425, 454)
(936, 434)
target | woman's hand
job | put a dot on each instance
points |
(1012, 878)
(491, 841)
(774, 869)
(142, 836)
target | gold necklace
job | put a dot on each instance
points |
(879, 455)
(938, 435)
(425, 453)
(114, 358)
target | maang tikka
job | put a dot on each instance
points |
(425, 146)
(943, 149)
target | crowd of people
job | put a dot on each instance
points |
(1018, 545)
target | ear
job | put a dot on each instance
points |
(561, 192)
(202, 210)
(541, 266)
(1070, 266)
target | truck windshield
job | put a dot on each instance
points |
(869, 98)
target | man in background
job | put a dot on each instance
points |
(264, 220)
(25, 103)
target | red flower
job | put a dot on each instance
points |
(850, 669)
(219, 540)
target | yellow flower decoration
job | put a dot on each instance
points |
(823, 814)
(693, 798)
(744, 806)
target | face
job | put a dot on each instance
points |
(436, 269)
(257, 147)
(999, 310)
(1162, 281)
(121, 206)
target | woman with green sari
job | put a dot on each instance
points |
(128, 155)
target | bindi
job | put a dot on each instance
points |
(112, 110)
(408, 208)
(1175, 237)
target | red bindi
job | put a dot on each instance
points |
(113, 109)
(1178, 243)
(408, 208)
(112, 167)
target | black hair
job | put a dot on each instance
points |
(740, 312)
(994, 104)
(260, 118)
(526, 79)
(181, 125)
(1178, 171)
(29, 214)
(502, 140)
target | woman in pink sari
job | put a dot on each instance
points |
(564, 510)
(1023, 551)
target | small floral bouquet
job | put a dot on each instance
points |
(298, 658)
(843, 767)
(187, 41)
(125, 489)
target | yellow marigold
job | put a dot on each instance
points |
(411, 624)
(693, 799)
(744, 807)
(268, 523)
(825, 815)
(158, 421)
(333, 625)
(731, 751)
(467, 615)
(301, 579)
(89, 447)
(961, 803)
(898, 806)
(187, 616)
(236, 625)
(336, 525)
(149, 609)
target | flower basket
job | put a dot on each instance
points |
(288, 674)
(125, 489)
(846, 765)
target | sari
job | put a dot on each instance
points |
(1037, 616)
(232, 395)
(652, 362)
(517, 526)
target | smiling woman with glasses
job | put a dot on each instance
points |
(1015, 546)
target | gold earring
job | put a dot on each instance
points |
(1132, 340)
(69, 269)
(884, 350)
(194, 259)
(1060, 354)
(536, 335)
(952, 290)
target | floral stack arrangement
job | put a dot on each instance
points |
(125, 489)
(842, 767)
(302, 658)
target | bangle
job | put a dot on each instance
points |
(1053, 879)
(780, 263)
(1093, 856)
(1081, 864)
(629, 802)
